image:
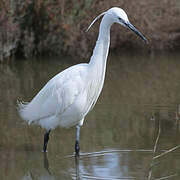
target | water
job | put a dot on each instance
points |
(141, 94)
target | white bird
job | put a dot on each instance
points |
(68, 97)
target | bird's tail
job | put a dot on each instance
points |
(21, 107)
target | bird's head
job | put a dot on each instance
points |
(118, 15)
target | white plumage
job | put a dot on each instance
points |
(67, 98)
(49, 107)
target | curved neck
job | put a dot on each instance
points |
(101, 49)
(97, 64)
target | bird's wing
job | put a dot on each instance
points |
(56, 96)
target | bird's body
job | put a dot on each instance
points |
(57, 102)
(64, 100)
(67, 98)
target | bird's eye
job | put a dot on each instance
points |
(120, 19)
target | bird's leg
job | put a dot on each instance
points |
(46, 138)
(77, 148)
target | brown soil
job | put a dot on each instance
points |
(55, 27)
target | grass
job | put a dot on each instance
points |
(156, 157)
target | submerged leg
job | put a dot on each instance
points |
(46, 138)
(77, 148)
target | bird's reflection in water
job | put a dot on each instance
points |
(46, 163)
(77, 168)
(49, 174)
(46, 175)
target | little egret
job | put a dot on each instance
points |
(68, 97)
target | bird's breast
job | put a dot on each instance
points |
(93, 92)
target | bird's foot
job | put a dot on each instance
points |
(77, 148)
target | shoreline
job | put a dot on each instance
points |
(45, 28)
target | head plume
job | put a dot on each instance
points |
(102, 14)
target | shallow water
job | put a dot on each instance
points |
(141, 95)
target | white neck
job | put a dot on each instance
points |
(101, 49)
(97, 64)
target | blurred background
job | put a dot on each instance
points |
(31, 28)
(137, 116)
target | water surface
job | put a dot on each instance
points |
(141, 94)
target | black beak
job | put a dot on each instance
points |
(131, 27)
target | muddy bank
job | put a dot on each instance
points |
(36, 27)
